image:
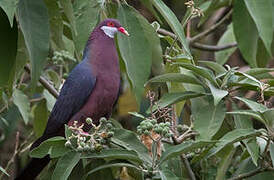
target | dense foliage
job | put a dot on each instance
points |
(188, 110)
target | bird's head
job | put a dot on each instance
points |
(112, 26)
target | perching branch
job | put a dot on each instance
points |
(209, 30)
(251, 173)
(196, 45)
(45, 83)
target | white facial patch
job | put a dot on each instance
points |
(109, 31)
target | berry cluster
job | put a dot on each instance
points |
(60, 57)
(149, 125)
(96, 139)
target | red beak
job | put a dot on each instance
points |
(122, 30)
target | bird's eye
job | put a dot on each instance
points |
(110, 24)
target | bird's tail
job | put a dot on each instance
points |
(35, 166)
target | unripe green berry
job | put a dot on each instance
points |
(89, 120)
(82, 144)
(167, 124)
(98, 147)
(153, 121)
(103, 120)
(80, 148)
(86, 148)
(146, 132)
(109, 125)
(68, 144)
(110, 134)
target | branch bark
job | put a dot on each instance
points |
(45, 83)
(196, 45)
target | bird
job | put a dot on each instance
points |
(90, 90)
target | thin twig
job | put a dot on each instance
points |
(213, 48)
(45, 83)
(251, 173)
(211, 29)
(199, 45)
(188, 167)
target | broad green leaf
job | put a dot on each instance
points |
(271, 149)
(65, 165)
(268, 116)
(175, 77)
(207, 117)
(11, 116)
(55, 147)
(219, 69)
(114, 154)
(86, 17)
(4, 171)
(250, 113)
(258, 71)
(182, 149)
(155, 44)
(56, 24)
(9, 6)
(199, 71)
(111, 165)
(173, 22)
(172, 98)
(247, 40)
(260, 11)
(34, 23)
(23, 104)
(227, 38)
(253, 105)
(40, 117)
(50, 99)
(262, 55)
(8, 48)
(225, 162)
(244, 122)
(68, 11)
(138, 67)
(218, 94)
(168, 175)
(130, 141)
(232, 137)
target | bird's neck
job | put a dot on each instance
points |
(101, 54)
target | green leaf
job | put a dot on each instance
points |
(68, 11)
(9, 6)
(182, 149)
(225, 162)
(232, 137)
(40, 117)
(23, 104)
(247, 40)
(86, 17)
(218, 94)
(227, 38)
(115, 154)
(253, 105)
(258, 71)
(268, 116)
(219, 69)
(8, 48)
(34, 23)
(199, 71)
(137, 115)
(175, 77)
(271, 149)
(130, 141)
(207, 117)
(155, 45)
(250, 113)
(50, 99)
(244, 122)
(4, 171)
(168, 175)
(262, 16)
(110, 165)
(55, 147)
(172, 98)
(56, 23)
(65, 165)
(138, 67)
(173, 22)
